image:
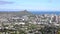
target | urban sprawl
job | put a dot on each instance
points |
(30, 24)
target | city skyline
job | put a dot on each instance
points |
(36, 5)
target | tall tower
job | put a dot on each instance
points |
(54, 19)
(59, 19)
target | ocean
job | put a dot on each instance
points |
(46, 12)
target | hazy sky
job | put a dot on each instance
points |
(44, 5)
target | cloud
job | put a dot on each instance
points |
(5, 2)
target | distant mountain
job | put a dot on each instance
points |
(18, 13)
(21, 13)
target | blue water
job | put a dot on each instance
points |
(43, 12)
(39, 12)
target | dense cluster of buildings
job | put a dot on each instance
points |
(31, 24)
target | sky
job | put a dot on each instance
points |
(32, 5)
